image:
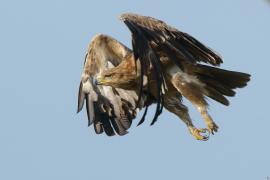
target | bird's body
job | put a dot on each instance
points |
(163, 67)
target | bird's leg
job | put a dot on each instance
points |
(212, 126)
(197, 133)
(174, 105)
(192, 89)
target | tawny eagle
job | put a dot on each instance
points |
(165, 65)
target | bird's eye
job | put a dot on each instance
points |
(108, 76)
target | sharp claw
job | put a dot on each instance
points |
(212, 127)
(205, 137)
(197, 133)
(203, 130)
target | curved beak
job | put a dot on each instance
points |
(98, 81)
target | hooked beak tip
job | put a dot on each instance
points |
(97, 81)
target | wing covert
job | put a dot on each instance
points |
(152, 38)
(109, 109)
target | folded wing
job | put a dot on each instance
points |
(109, 109)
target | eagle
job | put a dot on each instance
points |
(164, 65)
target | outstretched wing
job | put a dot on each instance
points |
(152, 38)
(109, 109)
(158, 33)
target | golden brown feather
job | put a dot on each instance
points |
(163, 66)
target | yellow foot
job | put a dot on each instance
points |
(199, 134)
(212, 127)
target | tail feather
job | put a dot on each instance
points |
(231, 79)
(221, 88)
(221, 82)
(216, 95)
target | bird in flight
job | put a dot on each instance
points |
(163, 66)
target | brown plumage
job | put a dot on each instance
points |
(109, 109)
(163, 67)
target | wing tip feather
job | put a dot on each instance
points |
(81, 97)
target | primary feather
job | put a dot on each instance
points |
(110, 109)
(163, 65)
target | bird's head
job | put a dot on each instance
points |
(122, 76)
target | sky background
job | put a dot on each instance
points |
(42, 48)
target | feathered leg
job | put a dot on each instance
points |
(173, 104)
(193, 90)
(212, 126)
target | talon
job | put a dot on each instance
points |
(203, 130)
(200, 134)
(212, 127)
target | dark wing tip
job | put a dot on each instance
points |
(247, 76)
(81, 97)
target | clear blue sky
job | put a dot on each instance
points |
(42, 45)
